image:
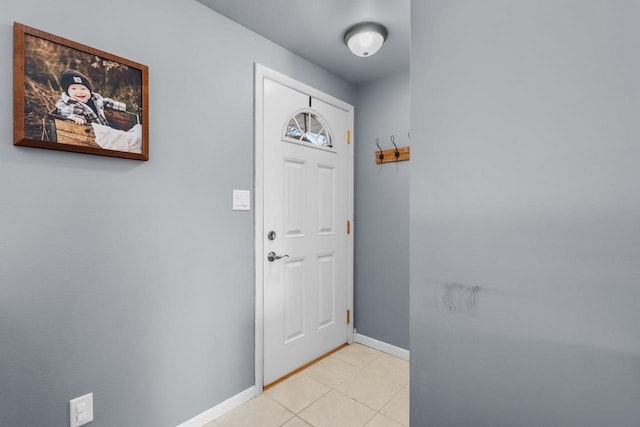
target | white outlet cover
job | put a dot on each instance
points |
(81, 410)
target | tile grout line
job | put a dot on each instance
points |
(360, 370)
(357, 370)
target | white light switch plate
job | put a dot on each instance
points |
(81, 410)
(241, 200)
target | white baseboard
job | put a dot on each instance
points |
(221, 408)
(382, 346)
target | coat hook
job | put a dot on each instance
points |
(397, 153)
(380, 155)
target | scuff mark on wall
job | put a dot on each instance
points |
(460, 298)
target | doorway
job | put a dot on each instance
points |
(303, 224)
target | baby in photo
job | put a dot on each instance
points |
(81, 105)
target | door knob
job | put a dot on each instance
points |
(271, 256)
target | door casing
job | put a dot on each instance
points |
(260, 73)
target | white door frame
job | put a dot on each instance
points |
(260, 73)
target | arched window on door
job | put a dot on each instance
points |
(305, 126)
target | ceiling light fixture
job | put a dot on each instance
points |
(366, 38)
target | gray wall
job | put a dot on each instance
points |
(525, 202)
(134, 280)
(382, 212)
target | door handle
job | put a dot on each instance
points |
(271, 256)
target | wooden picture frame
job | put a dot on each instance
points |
(113, 120)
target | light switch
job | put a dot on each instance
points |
(241, 200)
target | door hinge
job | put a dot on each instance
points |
(348, 137)
(348, 227)
(348, 317)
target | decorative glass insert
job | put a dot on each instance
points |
(307, 127)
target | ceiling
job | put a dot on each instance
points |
(313, 29)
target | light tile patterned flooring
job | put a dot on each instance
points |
(354, 387)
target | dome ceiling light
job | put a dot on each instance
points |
(365, 39)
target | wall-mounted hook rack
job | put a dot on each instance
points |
(393, 154)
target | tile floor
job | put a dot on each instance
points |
(354, 387)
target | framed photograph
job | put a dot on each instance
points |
(71, 97)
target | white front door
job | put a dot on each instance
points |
(306, 259)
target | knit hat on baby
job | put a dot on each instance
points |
(72, 77)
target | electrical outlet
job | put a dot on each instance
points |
(81, 410)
